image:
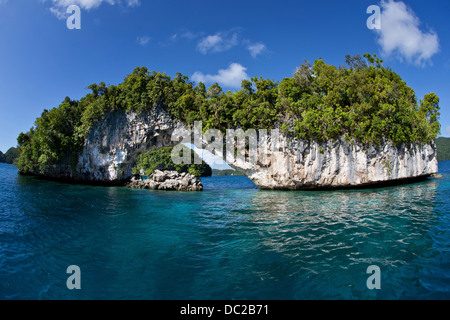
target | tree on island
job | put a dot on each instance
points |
(363, 101)
(161, 159)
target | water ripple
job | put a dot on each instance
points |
(232, 241)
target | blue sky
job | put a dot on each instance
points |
(42, 61)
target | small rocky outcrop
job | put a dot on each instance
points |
(167, 180)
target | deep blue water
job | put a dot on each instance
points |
(231, 241)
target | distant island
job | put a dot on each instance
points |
(226, 172)
(10, 156)
(443, 147)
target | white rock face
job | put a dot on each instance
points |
(114, 143)
(305, 164)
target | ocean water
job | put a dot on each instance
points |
(231, 241)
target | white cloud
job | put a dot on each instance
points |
(83, 4)
(187, 35)
(230, 77)
(447, 130)
(256, 49)
(143, 41)
(59, 7)
(221, 41)
(133, 3)
(400, 34)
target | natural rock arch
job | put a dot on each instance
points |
(113, 144)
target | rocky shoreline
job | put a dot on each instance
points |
(167, 180)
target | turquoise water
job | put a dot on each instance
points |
(231, 241)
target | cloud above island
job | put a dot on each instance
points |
(226, 40)
(230, 77)
(401, 34)
(143, 41)
(59, 7)
(256, 49)
(219, 42)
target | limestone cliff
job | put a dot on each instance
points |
(311, 165)
(113, 144)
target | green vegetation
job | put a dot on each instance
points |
(10, 156)
(362, 100)
(55, 137)
(387, 166)
(161, 159)
(226, 172)
(443, 148)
